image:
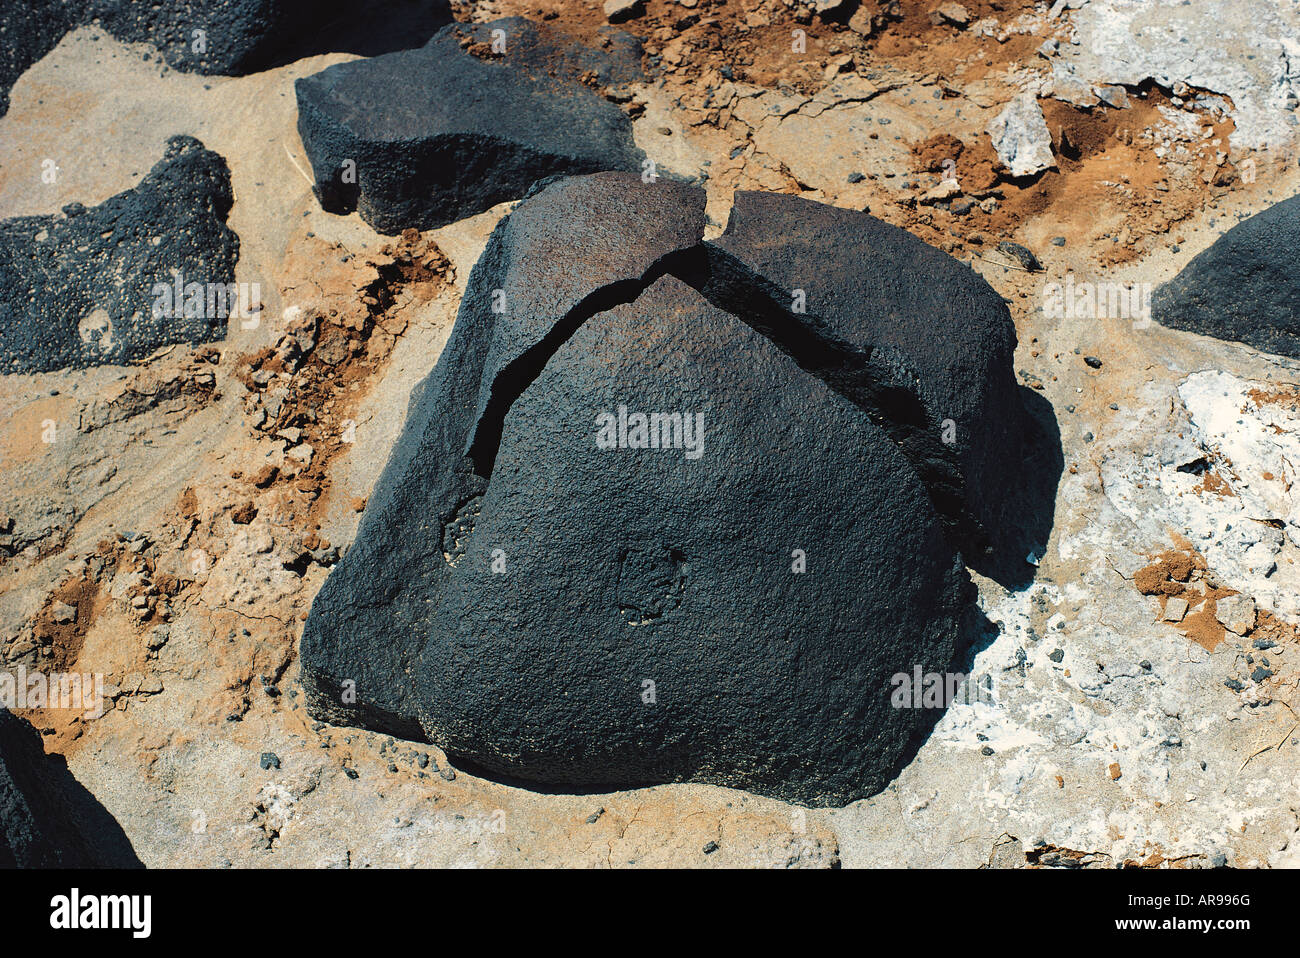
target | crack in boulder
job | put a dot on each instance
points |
(876, 379)
(627, 613)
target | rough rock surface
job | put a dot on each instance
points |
(1020, 137)
(29, 29)
(1244, 287)
(39, 824)
(633, 616)
(79, 289)
(216, 36)
(421, 138)
(877, 289)
(1247, 52)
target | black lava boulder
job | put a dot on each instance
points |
(676, 510)
(1244, 287)
(149, 267)
(421, 138)
(47, 820)
(228, 37)
(235, 37)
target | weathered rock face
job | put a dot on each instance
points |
(99, 285)
(45, 815)
(218, 36)
(1244, 287)
(1020, 137)
(1252, 63)
(422, 138)
(552, 596)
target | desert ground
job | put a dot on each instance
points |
(167, 522)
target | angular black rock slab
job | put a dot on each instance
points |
(421, 138)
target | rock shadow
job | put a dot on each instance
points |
(1028, 509)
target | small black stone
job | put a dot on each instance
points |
(1021, 255)
(1056, 655)
(1092, 361)
(710, 848)
(269, 761)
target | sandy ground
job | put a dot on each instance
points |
(191, 539)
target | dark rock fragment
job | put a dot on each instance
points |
(228, 37)
(1244, 287)
(47, 819)
(29, 29)
(1021, 255)
(99, 285)
(425, 137)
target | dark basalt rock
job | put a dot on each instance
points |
(47, 820)
(233, 37)
(877, 289)
(29, 29)
(244, 36)
(422, 138)
(1244, 287)
(514, 587)
(78, 290)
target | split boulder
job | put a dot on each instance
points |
(676, 510)
(421, 138)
